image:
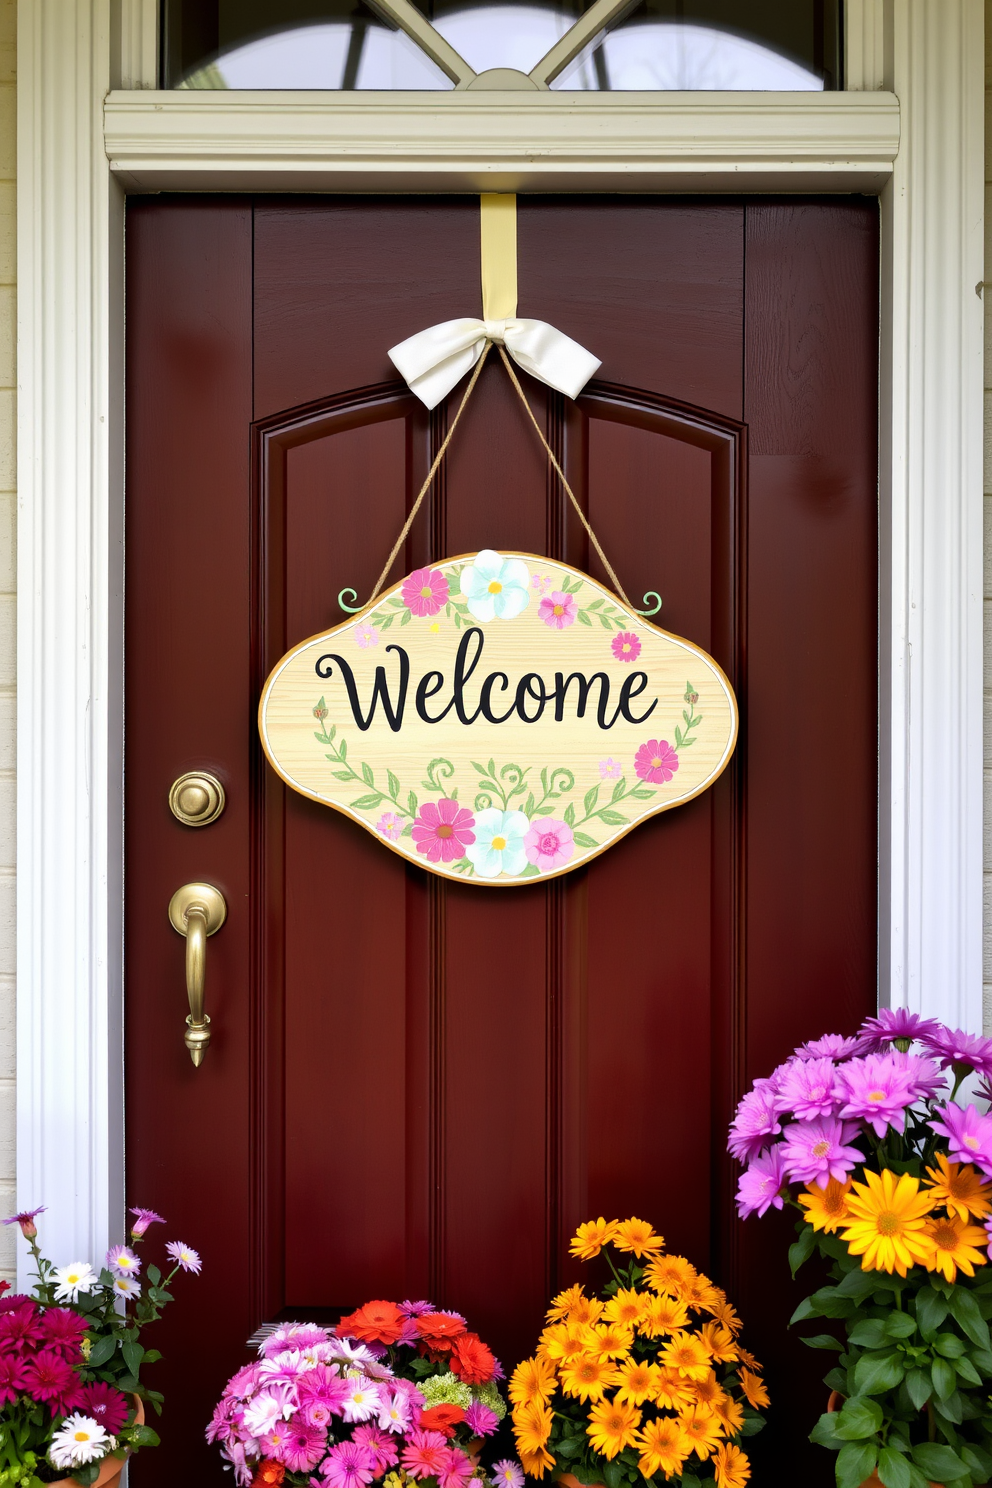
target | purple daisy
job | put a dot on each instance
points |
(755, 1121)
(480, 1420)
(895, 1026)
(304, 1447)
(815, 1151)
(416, 1309)
(144, 1218)
(969, 1135)
(960, 1050)
(928, 1079)
(26, 1219)
(122, 1261)
(348, 1465)
(760, 1185)
(831, 1046)
(808, 1088)
(877, 1089)
(183, 1256)
(507, 1474)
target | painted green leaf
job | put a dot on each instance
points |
(394, 785)
(411, 803)
(584, 840)
(570, 814)
(367, 775)
(590, 798)
(581, 614)
(613, 818)
(367, 803)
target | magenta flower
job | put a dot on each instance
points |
(425, 591)
(831, 1046)
(969, 1135)
(183, 1256)
(144, 1218)
(963, 1051)
(12, 1380)
(293, 1336)
(366, 636)
(64, 1329)
(390, 825)
(626, 646)
(896, 1026)
(122, 1260)
(756, 1119)
(443, 832)
(549, 843)
(348, 1465)
(380, 1444)
(814, 1151)
(20, 1327)
(558, 610)
(927, 1078)
(480, 1420)
(322, 1385)
(425, 1454)
(416, 1309)
(26, 1219)
(507, 1474)
(760, 1185)
(877, 1089)
(51, 1378)
(304, 1447)
(656, 761)
(610, 769)
(456, 1471)
(276, 1440)
(107, 1406)
(807, 1088)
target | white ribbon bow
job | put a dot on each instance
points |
(433, 361)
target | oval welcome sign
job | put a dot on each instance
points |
(498, 718)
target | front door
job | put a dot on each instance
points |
(418, 1088)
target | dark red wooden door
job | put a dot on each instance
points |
(419, 1088)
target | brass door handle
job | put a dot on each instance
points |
(196, 911)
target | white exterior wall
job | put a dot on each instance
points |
(8, 528)
(987, 916)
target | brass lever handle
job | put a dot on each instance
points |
(196, 911)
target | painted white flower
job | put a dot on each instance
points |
(78, 1440)
(73, 1279)
(495, 587)
(127, 1287)
(499, 843)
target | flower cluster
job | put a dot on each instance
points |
(398, 1393)
(70, 1356)
(647, 1380)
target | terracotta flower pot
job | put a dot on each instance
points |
(569, 1480)
(111, 1468)
(834, 1403)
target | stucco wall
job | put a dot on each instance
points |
(8, 520)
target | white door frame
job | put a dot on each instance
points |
(917, 140)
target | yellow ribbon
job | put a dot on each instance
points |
(498, 223)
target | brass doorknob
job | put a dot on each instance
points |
(197, 910)
(196, 798)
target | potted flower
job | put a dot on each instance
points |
(399, 1392)
(645, 1380)
(71, 1397)
(874, 1142)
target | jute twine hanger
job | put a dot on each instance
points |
(498, 217)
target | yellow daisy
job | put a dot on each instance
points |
(612, 1426)
(673, 1392)
(688, 1354)
(887, 1227)
(707, 1391)
(730, 1413)
(749, 1360)
(562, 1306)
(532, 1425)
(588, 1376)
(731, 1466)
(669, 1274)
(702, 1428)
(535, 1464)
(591, 1237)
(958, 1187)
(720, 1342)
(637, 1236)
(699, 1293)
(826, 1208)
(754, 1388)
(662, 1314)
(725, 1315)
(565, 1341)
(615, 1339)
(626, 1306)
(638, 1381)
(534, 1379)
(954, 1245)
(663, 1447)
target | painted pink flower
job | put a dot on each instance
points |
(760, 1186)
(425, 591)
(626, 646)
(442, 832)
(390, 825)
(366, 635)
(610, 769)
(656, 761)
(756, 1119)
(558, 610)
(969, 1135)
(549, 843)
(540, 583)
(807, 1088)
(425, 1454)
(813, 1151)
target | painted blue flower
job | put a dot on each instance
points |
(496, 588)
(499, 843)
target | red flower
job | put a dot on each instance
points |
(443, 1418)
(376, 1322)
(472, 1360)
(4, 1287)
(11, 1378)
(107, 1406)
(49, 1377)
(64, 1330)
(268, 1473)
(439, 1330)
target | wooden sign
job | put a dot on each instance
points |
(498, 718)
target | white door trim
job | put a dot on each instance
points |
(920, 144)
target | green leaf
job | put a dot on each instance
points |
(584, 840)
(145, 1436)
(619, 789)
(938, 1462)
(931, 1311)
(875, 1373)
(945, 1380)
(133, 1355)
(366, 803)
(394, 785)
(806, 1309)
(803, 1248)
(857, 1284)
(343, 750)
(823, 1341)
(859, 1418)
(966, 1313)
(590, 798)
(102, 1350)
(613, 818)
(919, 1386)
(407, 618)
(979, 1461)
(869, 1334)
(949, 1344)
(855, 1462)
(569, 814)
(900, 1325)
(824, 1433)
(581, 615)
(153, 1273)
(613, 1474)
(531, 871)
(571, 1447)
(951, 1409)
(967, 1371)
(893, 1469)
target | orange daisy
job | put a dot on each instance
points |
(638, 1381)
(673, 1392)
(532, 1380)
(670, 1274)
(958, 1187)
(753, 1387)
(720, 1342)
(731, 1414)
(688, 1354)
(626, 1306)
(703, 1429)
(591, 1237)
(637, 1236)
(826, 1208)
(662, 1314)
(731, 1466)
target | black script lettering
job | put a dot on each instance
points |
(525, 689)
(562, 684)
(380, 688)
(462, 676)
(628, 690)
(486, 698)
(425, 691)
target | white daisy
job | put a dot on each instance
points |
(363, 1400)
(78, 1440)
(73, 1279)
(126, 1286)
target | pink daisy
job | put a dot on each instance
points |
(276, 1440)
(896, 1026)
(348, 1465)
(443, 832)
(142, 1219)
(656, 761)
(295, 1336)
(366, 636)
(961, 1050)
(425, 591)
(390, 825)
(480, 1420)
(425, 1454)
(395, 1412)
(969, 1135)
(362, 1399)
(813, 1151)
(877, 1089)
(756, 1119)
(456, 1471)
(20, 1326)
(807, 1088)
(323, 1385)
(51, 1378)
(760, 1186)
(610, 769)
(416, 1309)
(831, 1046)
(304, 1447)
(549, 843)
(26, 1219)
(123, 1261)
(105, 1405)
(626, 646)
(64, 1329)
(12, 1380)
(558, 610)
(381, 1445)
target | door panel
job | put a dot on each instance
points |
(416, 1087)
